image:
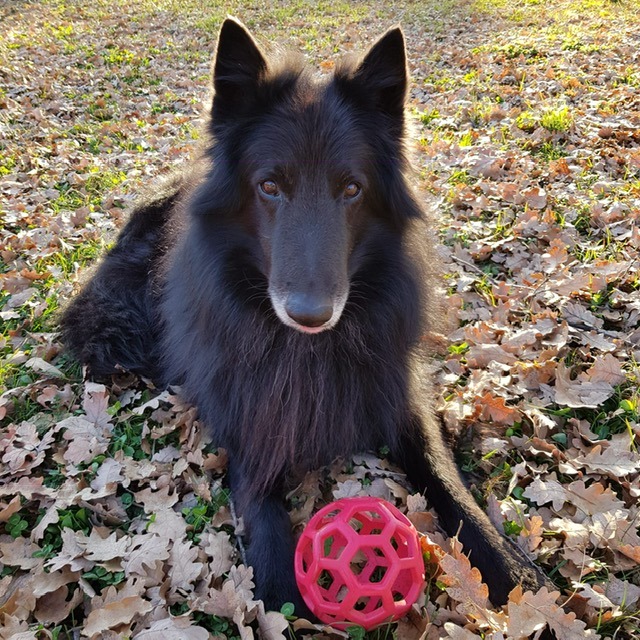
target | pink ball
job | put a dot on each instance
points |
(358, 561)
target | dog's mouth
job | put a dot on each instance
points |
(306, 313)
(306, 329)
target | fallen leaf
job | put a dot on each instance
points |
(272, 624)
(173, 628)
(464, 584)
(535, 197)
(493, 408)
(145, 550)
(542, 492)
(606, 368)
(218, 547)
(19, 552)
(103, 549)
(347, 489)
(579, 393)
(185, 568)
(529, 612)
(113, 614)
(612, 461)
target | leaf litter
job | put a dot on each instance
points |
(114, 516)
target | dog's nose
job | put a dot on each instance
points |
(307, 310)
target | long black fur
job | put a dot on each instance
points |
(194, 291)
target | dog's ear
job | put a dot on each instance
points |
(237, 69)
(383, 71)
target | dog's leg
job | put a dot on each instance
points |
(430, 467)
(270, 544)
(270, 553)
(112, 321)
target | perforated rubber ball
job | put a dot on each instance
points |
(358, 561)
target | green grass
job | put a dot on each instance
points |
(460, 176)
(117, 56)
(553, 120)
(466, 139)
(527, 52)
(427, 117)
(556, 120)
(629, 76)
(629, 621)
(200, 515)
(13, 376)
(527, 121)
(7, 164)
(90, 193)
(549, 151)
(615, 416)
(70, 259)
(575, 43)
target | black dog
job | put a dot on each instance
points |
(283, 284)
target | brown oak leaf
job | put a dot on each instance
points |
(542, 492)
(113, 614)
(217, 546)
(73, 552)
(86, 439)
(464, 584)
(615, 461)
(494, 408)
(173, 628)
(272, 624)
(102, 547)
(184, 567)
(529, 612)
(19, 553)
(606, 368)
(579, 393)
(143, 553)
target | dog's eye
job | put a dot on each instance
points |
(351, 190)
(270, 188)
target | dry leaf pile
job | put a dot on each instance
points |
(114, 517)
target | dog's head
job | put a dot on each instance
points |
(310, 166)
